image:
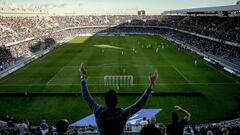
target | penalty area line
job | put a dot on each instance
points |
(54, 76)
(181, 74)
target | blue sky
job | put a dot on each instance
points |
(99, 7)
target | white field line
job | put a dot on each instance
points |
(124, 65)
(102, 84)
(54, 75)
(117, 75)
(182, 74)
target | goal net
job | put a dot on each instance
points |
(118, 81)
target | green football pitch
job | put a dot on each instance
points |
(134, 55)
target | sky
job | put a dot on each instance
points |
(102, 7)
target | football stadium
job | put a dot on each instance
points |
(170, 72)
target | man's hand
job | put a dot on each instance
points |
(82, 71)
(178, 108)
(153, 78)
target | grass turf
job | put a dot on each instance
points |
(110, 55)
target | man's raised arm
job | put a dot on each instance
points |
(85, 93)
(187, 115)
(129, 111)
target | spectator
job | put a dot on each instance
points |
(23, 127)
(62, 127)
(10, 123)
(151, 129)
(189, 131)
(176, 127)
(75, 132)
(44, 127)
(37, 131)
(144, 122)
(111, 120)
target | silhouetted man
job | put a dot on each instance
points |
(150, 128)
(176, 127)
(111, 120)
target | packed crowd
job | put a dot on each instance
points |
(35, 29)
(230, 127)
(5, 57)
(9, 55)
(145, 127)
(19, 28)
(24, 127)
(223, 28)
(221, 50)
(218, 49)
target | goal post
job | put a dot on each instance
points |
(118, 81)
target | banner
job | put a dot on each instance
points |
(135, 119)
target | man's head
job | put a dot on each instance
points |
(174, 117)
(152, 120)
(62, 126)
(111, 99)
(144, 118)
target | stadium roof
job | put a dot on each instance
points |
(229, 8)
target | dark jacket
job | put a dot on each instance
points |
(112, 123)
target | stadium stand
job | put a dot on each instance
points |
(229, 53)
(23, 37)
(231, 127)
(224, 28)
(23, 40)
(5, 57)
